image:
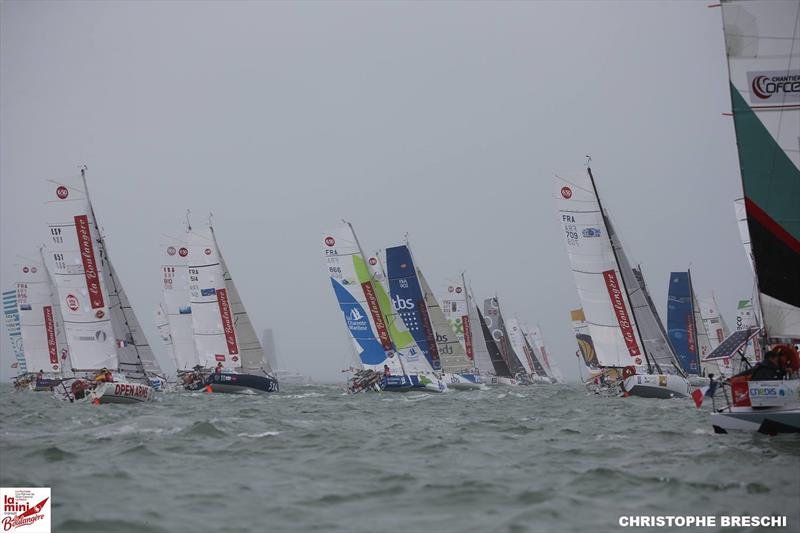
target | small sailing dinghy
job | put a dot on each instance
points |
(227, 346)
(388, 357)
(106, 345)
(762, 43)
(626, 331)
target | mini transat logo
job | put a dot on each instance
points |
(330, 241)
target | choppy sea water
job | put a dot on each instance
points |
(540, 458)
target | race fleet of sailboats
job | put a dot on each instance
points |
(74, 332)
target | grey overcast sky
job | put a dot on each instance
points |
(446, 120)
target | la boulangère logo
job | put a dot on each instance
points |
(26, 510)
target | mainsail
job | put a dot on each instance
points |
(11, 314)
(409, 301)
(250, 351)
(499, 334)
(600, 284)
(499, 364)
(536, 343)
(520, 348)
(453, 357)
(358, 301)
(474, 329)
(585, 345)
(175, 305)
(762, 43)
(40, 324)
(162, 326)
(712, 320)
(215, 336)
(101, 329)
(681, 325)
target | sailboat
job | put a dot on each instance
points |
(456, 366)
(174, 313)
(11, 315)
(41, 325)
(535, 340)
(101, 329)
(598, 380)
(488, 360)
(687, 330)
(624, 326)
(227, 347)
(499, 334)
(386, 357)
(525, 352)
(763, 53)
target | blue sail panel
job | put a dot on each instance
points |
(409, 302)
(680, 322)
(357, 320)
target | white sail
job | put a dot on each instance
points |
(175, 301)
(76, 253)
(598, 279)
(42, 333)
(136, 358)
(744, 231)
(762, 40)
(453, 302)
(215, 336)
(453, 357)
(162, 325)
(250, 350)
(499, 331)
(366, 320)
(536, 342)
(11, 314)
(714, 324)
(745, 319)
(517, 341)
(704, 346)
(482, 359)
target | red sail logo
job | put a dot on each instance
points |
(690, 334)
(566, 192)
(227, 321)
(50, 329)
(467, 337)
(618, 302)
(89, 263)
(375, 311)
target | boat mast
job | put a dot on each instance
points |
(616, 260)
(694, 323)
(108, 261)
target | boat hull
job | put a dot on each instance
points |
(121, 393)
(240, 384)
(497, 380)
(412, 383)
(464, 381)
(769, 420)
(663, 386)
(699, 381)
(44, 384)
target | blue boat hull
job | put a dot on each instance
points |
(239, 383)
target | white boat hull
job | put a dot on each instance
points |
(461, 382)
(121, 393)
(769, 420)
(656, 386)
(699, 381)
(495, 380)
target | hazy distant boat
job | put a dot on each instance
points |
(499, 334)
(626, 331)
(762, 43)
(533, 335)
(228, 349)
(102, 331)
(387, 355)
